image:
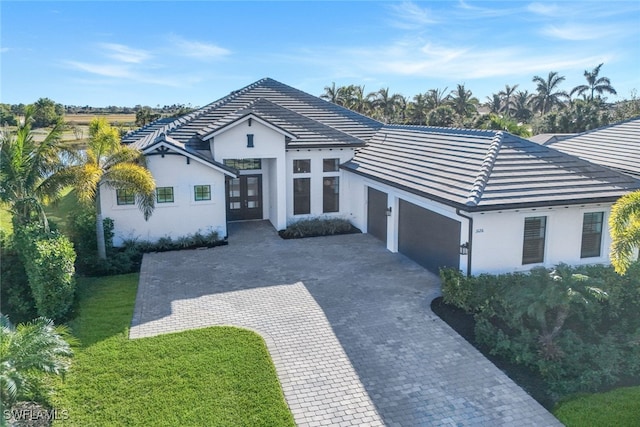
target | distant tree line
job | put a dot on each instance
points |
(47, 112)
(548, 110)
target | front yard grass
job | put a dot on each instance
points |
(219, 376)
(619, 407)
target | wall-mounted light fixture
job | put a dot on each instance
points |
(464, 248)
(388, 211)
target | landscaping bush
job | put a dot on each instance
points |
(315, 227)
(577, 327)
(49, 262)
(16, 300)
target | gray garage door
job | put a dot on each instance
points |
(376, 214)
(428, 238)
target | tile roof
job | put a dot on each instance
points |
(616, 146)
(315, 121)
(477, 170)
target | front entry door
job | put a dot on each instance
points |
(244, 197)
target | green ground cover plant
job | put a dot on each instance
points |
(217, 376)
(620, 408)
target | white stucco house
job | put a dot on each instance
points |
(480, 201)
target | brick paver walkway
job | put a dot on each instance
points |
(347, 323)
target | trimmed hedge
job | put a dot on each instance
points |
(49, 263)
(576, 326)
(316, 227)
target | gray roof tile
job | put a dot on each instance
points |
(616, 146)
(483, 170)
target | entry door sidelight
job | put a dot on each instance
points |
(244, 197)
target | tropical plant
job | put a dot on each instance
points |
(594, 84)
(145, 116)
(624, 225)
(28, 352)
(30, 171)
(506, 96)
(333, 94)
(386, 105)
(418, 110)
(463, 103)
(436, 98)
(107, 162)
(494, 103)
(495, 122)
(548, 95)
(442, 116)
(521, 110)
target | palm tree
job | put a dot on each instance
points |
(30, 171)
(107, 162)
(463, 103)
(418, 110)
(436, 98)
(506, 95)
(624, 225)
(548, 95)
(494, 102)
(333, 94)
(359, 101)
(27, 352)
(521, 102)
(594, 84)
(386, 104)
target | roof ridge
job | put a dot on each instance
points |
(485, 170)
(586, 132)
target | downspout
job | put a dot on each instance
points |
(469, 240)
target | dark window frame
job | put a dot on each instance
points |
(202, 195)
(299, 165)
(534, 240)
(243, 164)
(333, 163)
(125, 197)
(301, 196)
(163, 193)
(330, 194)
(591, 244)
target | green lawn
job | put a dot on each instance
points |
(60, 211)
(221, 376)
(619, 407)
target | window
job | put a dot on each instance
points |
(243, 164)
(591, 234)
(202, 192)
(330, 165)
(249, 140)
(125, 197)
(302, 166)
(164, 194)
(330, 194)
(301, 196)
(534, 232)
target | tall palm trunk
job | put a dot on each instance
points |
(102, 249)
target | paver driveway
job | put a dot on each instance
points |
(347, 323)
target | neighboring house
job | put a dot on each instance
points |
(616, 146)
(481, 201)
(546, 138)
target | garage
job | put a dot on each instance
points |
(377, 214)
(430, 239)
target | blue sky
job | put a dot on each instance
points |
(163, 52)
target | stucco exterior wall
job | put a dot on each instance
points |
(498, 238)
(184, 216)
(316, 175)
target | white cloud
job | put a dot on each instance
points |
(197, 49)
(575, 32)
(123, 53)
(4, 49)
(107, 70)
(544, 9)
(410, 16)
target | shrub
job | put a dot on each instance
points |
(315, 227)
(16, 299)
(49, 262)
(577, 327)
